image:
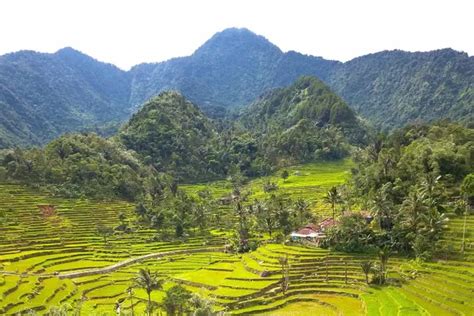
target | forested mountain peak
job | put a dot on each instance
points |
(68, 50)
(303, 122)
(233, 40)
(172, 134)
(231, 69)
(308, 98)
(45, 95)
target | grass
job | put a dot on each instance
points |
(309, 181)
(31, 244)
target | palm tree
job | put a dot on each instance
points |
(366, 268)
(333, 197)
(285, 271)
(430, 183)
(382, 209)
(149, 282)
(414, 209)
(302, 208)
(384, 255)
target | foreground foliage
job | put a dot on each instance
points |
(409, 181)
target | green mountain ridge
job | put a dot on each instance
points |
(173, 135)
(303, 122)
(45, 95)
(392, 88)
(231, 69)
(170, 135)
(307, 98)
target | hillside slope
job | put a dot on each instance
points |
(307, 98)
(173, 135)
(393, 88)
(231, 69)
(390, 88)
(45, 95)
(303, 122)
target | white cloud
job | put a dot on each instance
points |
(129, 32)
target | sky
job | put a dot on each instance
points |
(126, 33)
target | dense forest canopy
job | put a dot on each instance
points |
(393, 88)
(306, 122)
(409, 181)
(78, 165)
(171, 135)
(45, 95)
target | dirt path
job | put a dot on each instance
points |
(121, 264)
(115, 266)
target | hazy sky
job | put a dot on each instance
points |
(126, 33)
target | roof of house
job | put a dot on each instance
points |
(313, 230)
(306, 231)
(312, 226)
(328, 222)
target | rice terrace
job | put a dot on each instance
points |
(160, 158)
(40, 254)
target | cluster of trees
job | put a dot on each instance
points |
(174, 213)
(301, 123)
(78, 165)
(409, 181)
(168, 209)
(275, 215)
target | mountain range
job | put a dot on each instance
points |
(45, 95)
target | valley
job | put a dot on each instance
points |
(238, 178)
(38, 250)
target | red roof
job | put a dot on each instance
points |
(328, 222)
(312, 226)
(306, 231)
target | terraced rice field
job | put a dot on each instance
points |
(310, 181)
(37, 252)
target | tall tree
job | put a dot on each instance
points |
(384, 255)
(366, 268)
(333, 197)
(176, 300)
(149, 282)
(302, 211)
(414, 210)
(105, 232)
(266, 215)
(382, 208)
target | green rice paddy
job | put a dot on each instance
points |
(36, 250)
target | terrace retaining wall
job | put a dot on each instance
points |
(108, 269)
